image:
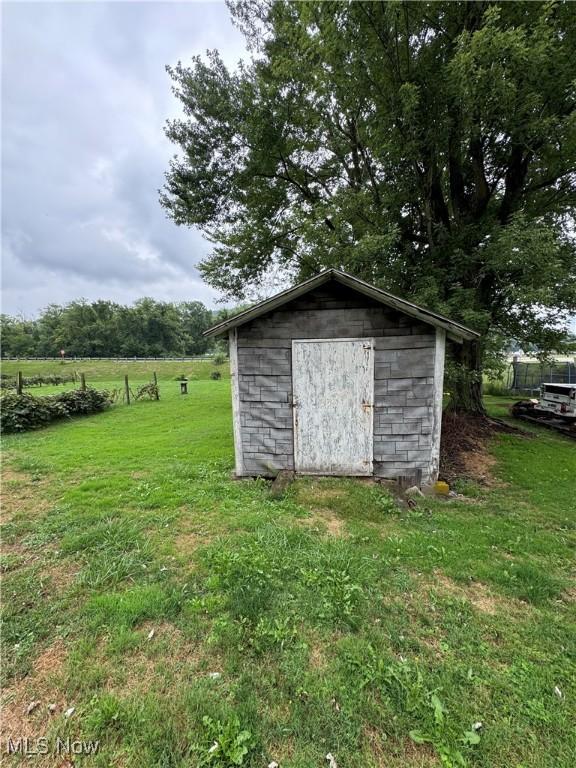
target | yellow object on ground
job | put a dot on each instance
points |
(441, 488)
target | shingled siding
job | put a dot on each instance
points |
(403, 387)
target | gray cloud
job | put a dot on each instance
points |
(85, 98)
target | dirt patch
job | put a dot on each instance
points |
(281, 752)
(162, 661)
(418, 755)
(186, 543)
(163, 630)
(317, 656)
(476, 593)
(433, 643)
(325, 518)
(42, 685)
(319, 491)
(397, 754)
(479, 465)
(569, 595)
(374, 743)
(21, 494)
(52, 575)
(60, 575)
(464, 447)
(19, 555)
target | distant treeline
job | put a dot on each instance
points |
(148, 328)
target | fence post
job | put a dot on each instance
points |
(156, 385)
(83, 382)
(127, 389)
(515, 371)
(19, 383)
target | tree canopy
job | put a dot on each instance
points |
(427, 147)
(148, 328)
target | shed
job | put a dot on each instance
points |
(337, 377)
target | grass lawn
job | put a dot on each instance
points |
(97, 371)
(190, 619)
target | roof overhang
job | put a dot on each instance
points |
(454, 330)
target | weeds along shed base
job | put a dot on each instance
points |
(337, 377)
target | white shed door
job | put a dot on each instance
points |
(333, 398)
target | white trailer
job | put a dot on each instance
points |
(557, 400)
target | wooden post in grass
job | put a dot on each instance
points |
(19, 383)
(83, 382)
(156, 385)
(127, 389)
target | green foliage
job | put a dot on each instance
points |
(18, 336)
(219, 359)
(19, 413)
(150, 390)
(130, 607)
(148, 328)
(269, 634)
(428, 148)
(215, 375)
(107, 714)
(76, 401)
(327, 584)
(497, 388)
(226, 744)
(9, 382)
(404, 687)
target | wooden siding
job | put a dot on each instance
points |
(403, 386)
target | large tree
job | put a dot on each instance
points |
(429, 148)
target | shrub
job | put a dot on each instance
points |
(9, 382)
(215, 375)
(226, 743)
(77, 401)
(219, 359)
(19, 413)
(497, 388)
(148, 390)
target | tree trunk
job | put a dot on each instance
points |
(466, 383)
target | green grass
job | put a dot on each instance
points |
(336, 620)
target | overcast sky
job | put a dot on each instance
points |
(85, 96)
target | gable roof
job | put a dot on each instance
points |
(454, 330)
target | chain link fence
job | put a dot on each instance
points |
(528, 376)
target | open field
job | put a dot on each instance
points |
(174, 607)
(111, 371)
